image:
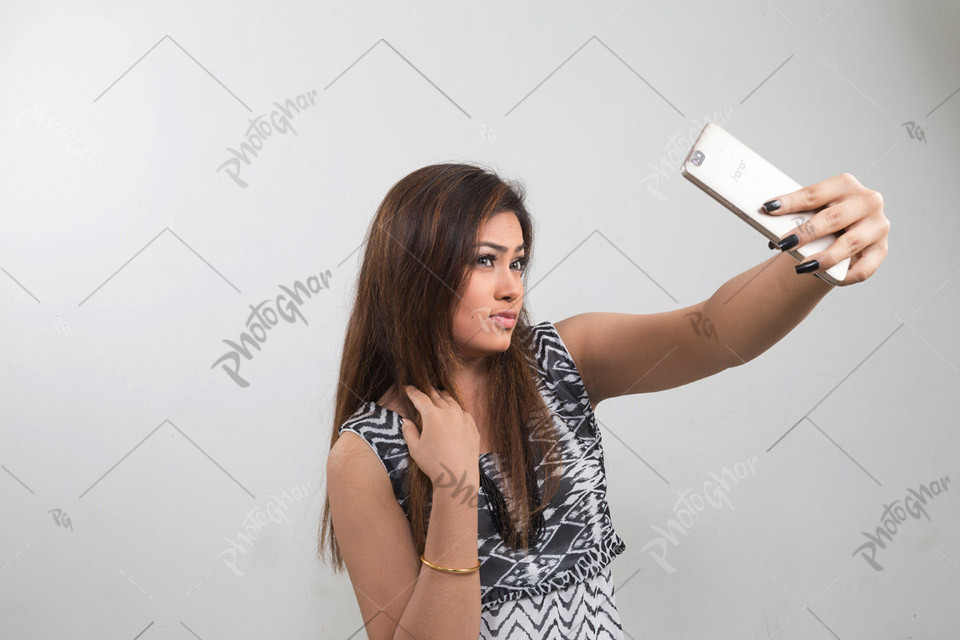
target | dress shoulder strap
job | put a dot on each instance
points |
(380, 428)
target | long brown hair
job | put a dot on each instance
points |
(419, 250)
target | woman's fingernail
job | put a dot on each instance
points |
(771, 245)
(807, 267)
(789, 242)
(771, 205)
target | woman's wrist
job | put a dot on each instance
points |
(457, 490)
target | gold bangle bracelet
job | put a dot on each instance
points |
(447, 570)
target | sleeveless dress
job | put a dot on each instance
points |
(562, 587)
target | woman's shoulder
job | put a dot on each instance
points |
(377, 425)
(380, 429)
(547, 345)
(559, 371)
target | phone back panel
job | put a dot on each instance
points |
(742, 180)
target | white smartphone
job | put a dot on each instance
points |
(741, 180)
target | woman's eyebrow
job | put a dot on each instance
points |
(498, 247)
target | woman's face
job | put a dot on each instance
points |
(494, 285)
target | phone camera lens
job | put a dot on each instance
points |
(697, 158)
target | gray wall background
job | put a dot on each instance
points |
(148, 493)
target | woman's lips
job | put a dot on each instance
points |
(504, 321)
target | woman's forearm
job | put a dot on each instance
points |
(754, 310)
(445, 605)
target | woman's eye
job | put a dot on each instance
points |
(522, 262)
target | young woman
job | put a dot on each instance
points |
(466, 494)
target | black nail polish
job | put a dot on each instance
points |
(789, 242)
(771, 245)
(807, 267)
(772, 205)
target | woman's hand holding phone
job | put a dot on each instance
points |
(851, 211)
(831, 224)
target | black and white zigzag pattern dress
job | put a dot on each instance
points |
(562, 587)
